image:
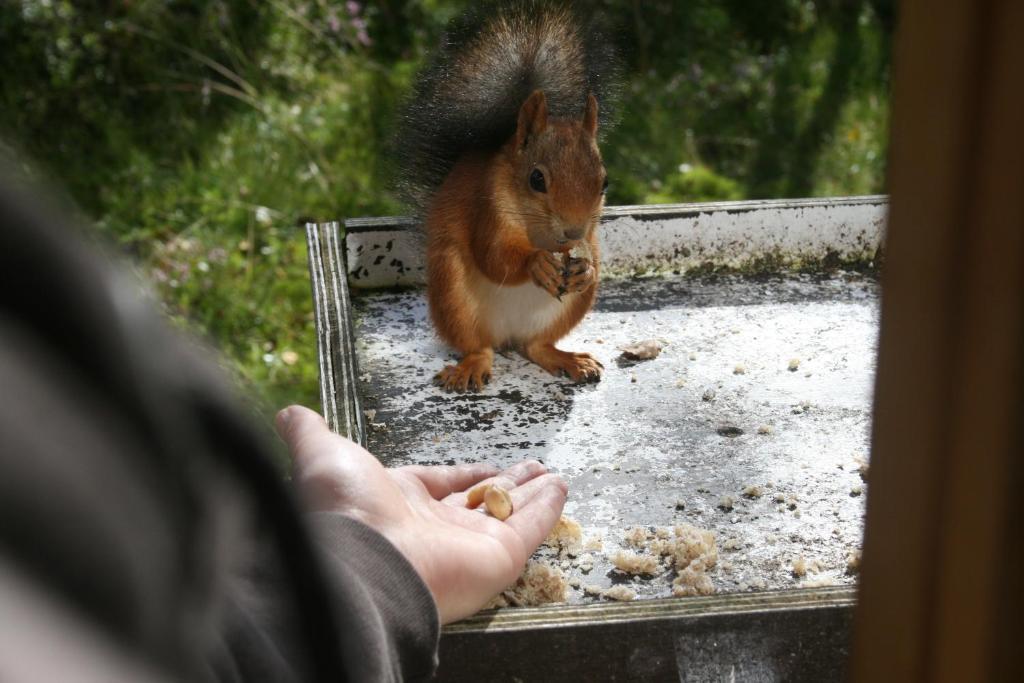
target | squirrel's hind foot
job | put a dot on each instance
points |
(472, 372)
(579, 367)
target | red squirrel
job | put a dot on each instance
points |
(502, 161)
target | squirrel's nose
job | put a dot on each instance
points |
(575, 233)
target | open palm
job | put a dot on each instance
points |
(465, 557)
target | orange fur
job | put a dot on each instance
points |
(486, 229)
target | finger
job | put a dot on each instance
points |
(444, 480)
(314, 448)
(514, 476)
(522, 495)
(298, 427)
(535, 520)
(292, 418)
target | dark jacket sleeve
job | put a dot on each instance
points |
(137, 500)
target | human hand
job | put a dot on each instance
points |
(463, 556)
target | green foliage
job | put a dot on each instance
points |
(694, 184)
(199, 135)
(757, 92)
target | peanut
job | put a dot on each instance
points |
(475, 496)
(498, 502)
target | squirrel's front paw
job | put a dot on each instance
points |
(546, 271)
(580, 275)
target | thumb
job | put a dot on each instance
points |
(296, 423)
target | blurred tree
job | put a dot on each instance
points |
(85, 83)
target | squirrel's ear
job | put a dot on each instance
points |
(533, 118)
(590, 115)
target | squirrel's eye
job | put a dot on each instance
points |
(537, 183)
(604, 185)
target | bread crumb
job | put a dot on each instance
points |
(731, 544)
(636, 536)
(726, 503)
(633, 563)
(693, 356)
(692, 581)
(853, 562)
(801, 566)
(647, 349)
(794, 364)
(496, 602)
(819, 582)
(661, 546)
(862, 467)
(593, 543)
(574, 582)
(566, 536)
(708, 395)
(692, 544)
(802, 407)
(593, 590)
(663, 532)
(856, 490)
(764, 429)
(740, 369)
(539, 584)
(619, 593)
(753, 491)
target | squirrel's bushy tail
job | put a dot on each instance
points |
(489, 62)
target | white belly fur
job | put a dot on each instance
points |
(516, 314)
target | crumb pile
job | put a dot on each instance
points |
(539, 584)
(684, 552)
(632, 563)
(691, 551)
(622, 593)
(566, 537)
(542, 582)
